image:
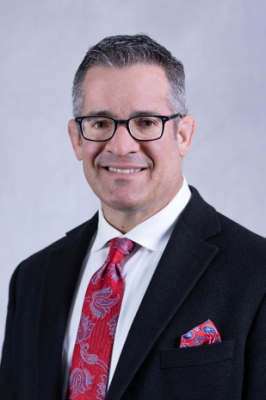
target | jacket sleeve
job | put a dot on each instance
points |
(254, 384)
(7, 384)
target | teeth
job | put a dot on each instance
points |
(123, 171)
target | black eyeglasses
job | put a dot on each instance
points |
(143, 128)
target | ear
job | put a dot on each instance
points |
(75, 138)
(186, 128)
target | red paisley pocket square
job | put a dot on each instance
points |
(205, 333)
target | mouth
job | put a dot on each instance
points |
(124, 170)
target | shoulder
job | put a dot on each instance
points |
(240, 259)
(40, 256)
(241, 245)
(34, 267)
(232, 239)
(238, 233)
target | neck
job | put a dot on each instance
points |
(124, 221)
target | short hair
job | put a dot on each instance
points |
(125, 50)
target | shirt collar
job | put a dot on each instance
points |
(145, 233)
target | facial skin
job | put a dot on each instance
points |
(128, 199)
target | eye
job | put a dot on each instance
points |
(146, 122)
(100, 124)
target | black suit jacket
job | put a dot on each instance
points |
(212, 268)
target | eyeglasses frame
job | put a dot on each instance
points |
(164, 119)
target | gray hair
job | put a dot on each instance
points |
(124, 50)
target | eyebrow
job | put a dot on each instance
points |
(105, 113)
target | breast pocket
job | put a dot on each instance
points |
(197, 355)
(195, 373)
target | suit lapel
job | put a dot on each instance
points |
(183, 262)
(62, 272)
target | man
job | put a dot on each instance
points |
(182, 265)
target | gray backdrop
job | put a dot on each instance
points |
(43, 192)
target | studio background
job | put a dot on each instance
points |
(43, 192)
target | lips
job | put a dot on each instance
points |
(123, 171)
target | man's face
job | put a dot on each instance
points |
(157, 177)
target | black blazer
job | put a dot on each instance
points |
(212, 268)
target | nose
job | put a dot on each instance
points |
(122, 143)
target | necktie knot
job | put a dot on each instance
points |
(119, 248)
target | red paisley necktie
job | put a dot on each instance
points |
(100, 312)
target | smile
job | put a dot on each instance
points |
(123, 171)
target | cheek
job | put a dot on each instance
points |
(153, 150)
(165, 155)
(90, 151)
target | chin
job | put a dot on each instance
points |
(125, 205)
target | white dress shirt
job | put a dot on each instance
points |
(151, 237)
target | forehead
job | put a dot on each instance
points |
(123, 91)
